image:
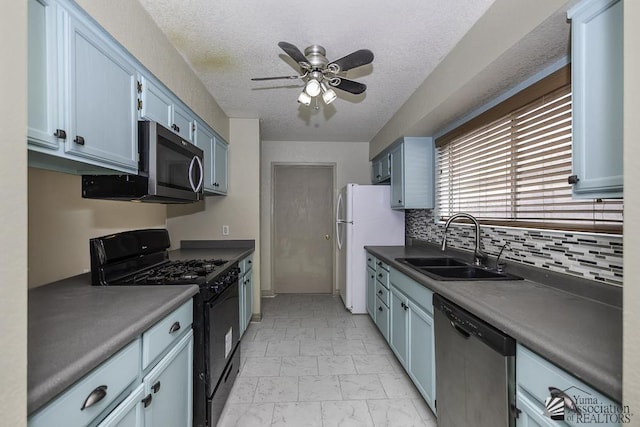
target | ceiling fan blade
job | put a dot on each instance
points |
(356, 59)
(258, 79)
(348, 85)
(293, 52)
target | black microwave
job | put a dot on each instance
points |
(170, 170)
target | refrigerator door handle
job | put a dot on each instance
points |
(338, 221)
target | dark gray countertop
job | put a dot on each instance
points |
(73, 326)
(580, 334)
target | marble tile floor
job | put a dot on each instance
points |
(312, 363)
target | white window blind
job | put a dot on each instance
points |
(513, 171)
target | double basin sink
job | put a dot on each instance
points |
(447, 268)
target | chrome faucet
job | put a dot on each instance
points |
(479, 257)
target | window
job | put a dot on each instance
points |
(509, 166)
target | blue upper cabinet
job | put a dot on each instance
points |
(102, 99)
(221, 166)
(158, 104)
(86, 94)
(81, 94)
(597, 85)
(215, 159)
(412, 173)
(43, 75)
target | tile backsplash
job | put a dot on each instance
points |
(591, 256)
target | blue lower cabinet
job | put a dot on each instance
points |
(535, 375)
(412, 333)
(421, 349)
(128, 413)
(382, 318)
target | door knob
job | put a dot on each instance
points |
(326, 236)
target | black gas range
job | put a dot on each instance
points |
(139, 258)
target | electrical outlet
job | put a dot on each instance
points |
(225, 230)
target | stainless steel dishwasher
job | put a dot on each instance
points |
(475, 370)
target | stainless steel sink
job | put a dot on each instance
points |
(432, 262)
(446, 268)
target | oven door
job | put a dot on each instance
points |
(222, 321)
(175, 167)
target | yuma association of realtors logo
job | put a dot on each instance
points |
(581, 407)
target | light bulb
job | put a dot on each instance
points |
(304, 98)
(312, 88)
(329, 96)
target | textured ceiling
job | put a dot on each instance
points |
(229, 42)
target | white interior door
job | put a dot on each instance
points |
(302, 229)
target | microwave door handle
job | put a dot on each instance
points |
(193, 187)
(199, 187)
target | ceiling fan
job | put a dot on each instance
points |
(320, 75)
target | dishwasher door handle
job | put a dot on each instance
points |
(461, 331)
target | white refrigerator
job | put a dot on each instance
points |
(363, 217)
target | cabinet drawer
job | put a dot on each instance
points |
(157, 339)
(382, 293)
(108, 380)
(414, 290)
(246, 264)
(535, 375)
(371, 261)
(381, 265)
(382, 276)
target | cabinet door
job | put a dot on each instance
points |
(205, 140)
(182, 122)
(43, 75)
(398, 325)
(102, 95)
(371, 293)
(531, 414)
(155, 104)
(376, 171)
(385, 167)
(248, 298)
(597, 85)
(422, 363)
(169, 388)
(397, 177)
(128, 413)
(221, 163)
(382, 318)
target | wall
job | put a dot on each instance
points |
(61, 223)
(239, 209)
(13, 215)
(461, 77)
(590, 256)
(631, 294)
(352, 166)
(131, 25)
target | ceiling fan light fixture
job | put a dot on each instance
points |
(328, 95)
(304, 98)
(312, 88)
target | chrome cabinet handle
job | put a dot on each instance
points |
(60, 133)
(174, 328)
(156, 387)
(94, 397)
(79, 140)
